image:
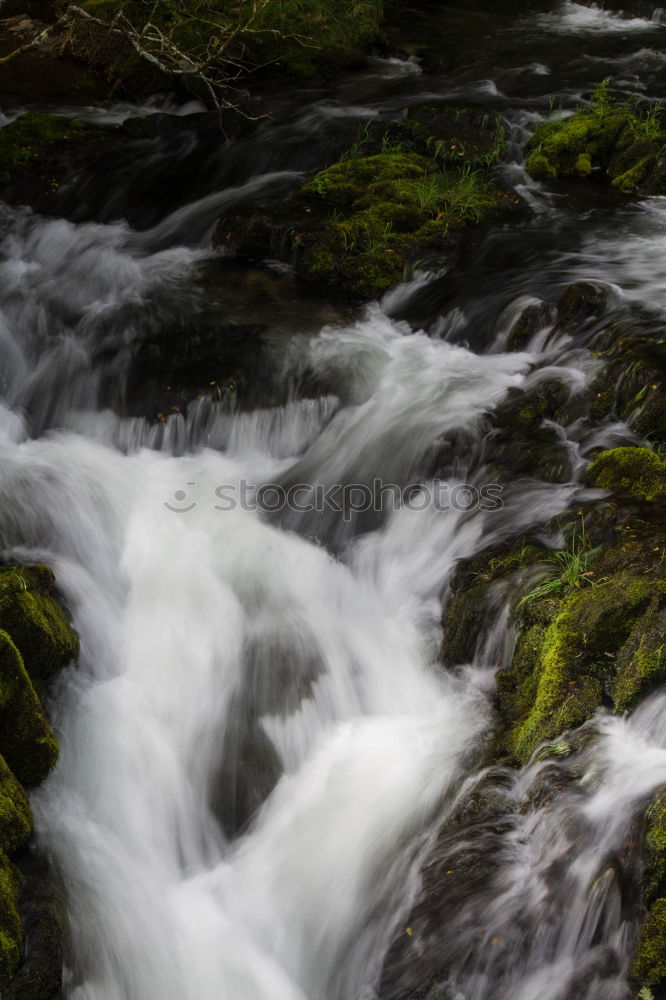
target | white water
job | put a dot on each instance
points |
(184, 616)
(591, 19)
(230, 658)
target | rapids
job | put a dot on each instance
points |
(258, 744)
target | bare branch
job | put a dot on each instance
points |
(216, 65)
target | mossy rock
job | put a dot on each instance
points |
(359, 224)
(346, 182)
(40, 906)
(654, 875)
(468, 609)
(15, 827)
(649, 965)
(29, 139)
(11, 932)
(36, 640)
(638, 472)
(607, 138)
(295, 38)
(462, 624)
(26, 740)
(532, 319)
(641, 663)
(36, 622)
(15, 815)
(580, 304)
(383, 210)
(525, 442)
(632, 385)
(41, 634)
(562, 672)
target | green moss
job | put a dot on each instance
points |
(386, 206)
(583, 164)
(636, 176)
(15, 814)
(642, 662)
(636, 471)
(307, 35)
(654, 876)
(613, 138)
(560, 672)
(11, 933)
(650, 962)
(36, 622)
(345, 182)
(28, 137)
(579, 705)
(15, 828)
(26, 741)
(28, 749)
(541, 167)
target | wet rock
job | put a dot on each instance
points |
(524, 440)
(463, 861)
(632, 385)
(532, 319)
(60, 166)
(36, 640)
(581, 304)
(39, 976)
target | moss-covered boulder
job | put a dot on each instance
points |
(638, 472)
(649, 965)
(29, 144)
(383, 209)
(591, 622)
(35, 620)
(403, 192)
(35, 632)
(36, 640)
(613, 140)
(596, 650)
(11, 932)
(15, 815)
(15, 828)
(26, 740)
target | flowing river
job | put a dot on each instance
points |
(259, 743)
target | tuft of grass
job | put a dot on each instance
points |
(357, 148)
(569, 569)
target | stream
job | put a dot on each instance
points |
(259, 743)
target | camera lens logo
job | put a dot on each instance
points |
(181, 496)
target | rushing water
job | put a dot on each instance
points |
(258, 743)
